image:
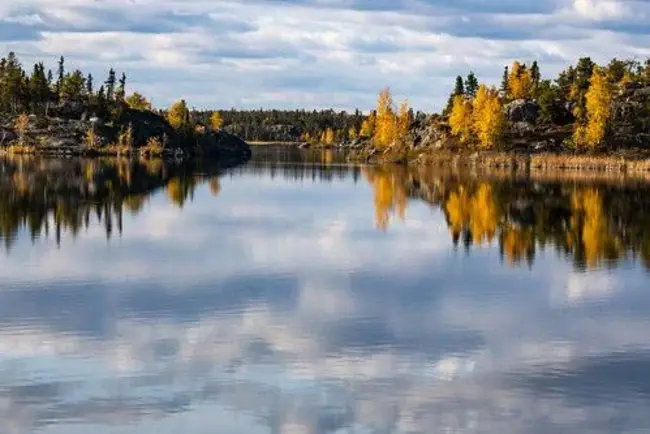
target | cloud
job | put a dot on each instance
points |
(317, 53)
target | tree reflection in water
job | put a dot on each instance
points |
(44, 195)
(594, 223)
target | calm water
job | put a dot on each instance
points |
(297, 295)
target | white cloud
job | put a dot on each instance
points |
(318, 54)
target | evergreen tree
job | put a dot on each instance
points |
(110, 85)
(505, 88)
(536, 78)
(121, 88)
(89, 85)
(60, 76)
(471, 85)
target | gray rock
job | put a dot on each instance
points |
(7, 136)
(522, 111)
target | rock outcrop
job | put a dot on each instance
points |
(72, 135)
(522, 111)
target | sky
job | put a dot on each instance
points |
(317, 53)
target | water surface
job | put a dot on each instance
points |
(300, 295)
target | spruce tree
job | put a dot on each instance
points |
(60, 76)
(459, 89)
(471, 85)
(536, 78)
(110, 86)
(89, 85)
(505, 87)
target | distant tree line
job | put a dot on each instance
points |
(285, 125)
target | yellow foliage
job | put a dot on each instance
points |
(487, 116)
(138, 102)
(92, 141)
(403, 120)
(519, 81)
(385, 127)
(353, 134)
(216, 121)
(599, 110)
(390, 195)
(178, 115)
(125, 138)
(155, 145)
(328, 136)
(368, 126)
(517, 244)
(477, 212)
(21, 126)
(460, 118)
(590, 222)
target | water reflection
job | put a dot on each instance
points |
(279, 307)
(594, 224)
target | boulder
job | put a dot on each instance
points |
(145, 124)
(7, 136)
(522, 111)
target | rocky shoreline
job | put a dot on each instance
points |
(527, 142)
(82, 135)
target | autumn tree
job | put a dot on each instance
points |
(385, 127)
(138, 102)
(598, 101)
(216, 121)
(519, 82)
(460, 118)
(404, 120)
(459, 89)
(178, 115)
(368, 125)
(488, 120)
(21, 125)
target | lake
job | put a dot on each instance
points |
(298, 294)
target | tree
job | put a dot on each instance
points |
(216, 121)
(60, 76)
(385, 123)
(353, 134)
(368, 125)
(460, 118)
(21, 125)
(535, 78)
(121, 88)
(488, 117)
(138, 102)
(471, 85)
(178, 115)
(73, 86)
(505, 88)
(519, 82)
(598, 111)
(39, 90)
(89, 85)
(404, 120)
(110, 85)
(329, 136)
(459, 89)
